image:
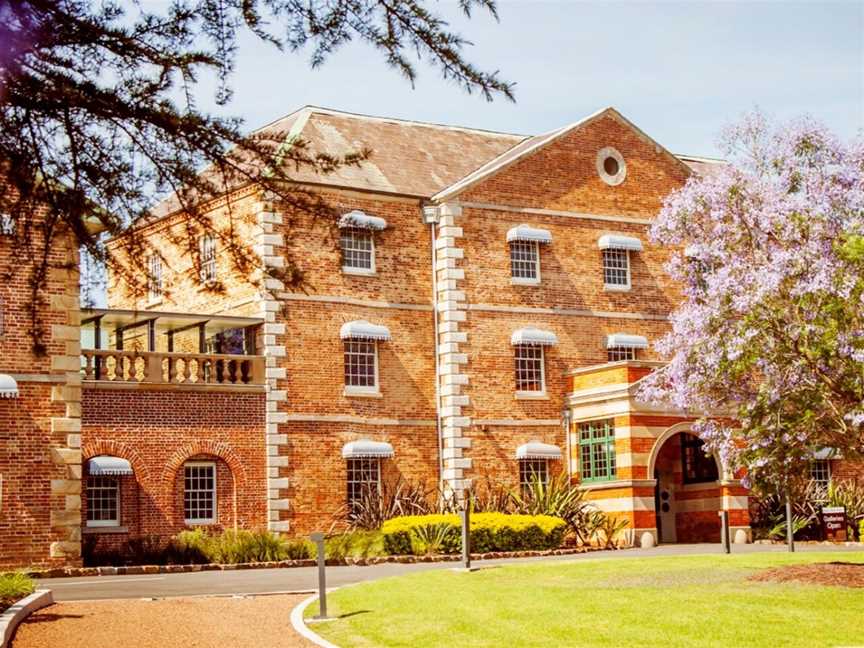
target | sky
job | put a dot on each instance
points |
(680, 71)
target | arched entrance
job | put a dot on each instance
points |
(688, 493)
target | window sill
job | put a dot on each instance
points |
(362, 393)
(104, 529)
(522, 395)
(359, 272)
(517, 281)
(614, 288)
(199, 523)
(153, 302)
(207, 285)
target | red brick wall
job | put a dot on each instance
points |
(158, 431)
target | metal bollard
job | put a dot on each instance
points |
(724, 531)
(465, 514)
(318, 539)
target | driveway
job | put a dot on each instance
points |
(305, 579)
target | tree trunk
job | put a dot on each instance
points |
(790, 531)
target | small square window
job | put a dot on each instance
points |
(524, 261)
(207, 249)
(199, 492)
(358, 250)
(529, 368)
(103, 501)
(615, 354)
(820, 473)
(616, 268)
(7, 225)
(531, 470)
(154, 281)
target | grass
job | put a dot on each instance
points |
(13, 587)
(667, 601)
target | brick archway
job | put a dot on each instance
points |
(96, 448)
(213, 448)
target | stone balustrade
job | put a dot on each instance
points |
(150, 367)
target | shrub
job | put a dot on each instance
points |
(396, 498)
(558, 498)
(354, 544)
(13, 587)
(489, 532)
(861, 529)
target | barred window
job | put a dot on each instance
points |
(697, 466)
(199, 492)
(103, 508)
(154, 281)
(614, 354)
(361, 364)
(529, 368)
(531, 470)
(358, 249)
(207, 249)
(597, 450)
(524, 260)
(820, 473)
(364, 478)
(616, 268)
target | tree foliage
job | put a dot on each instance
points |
(98, 112)
(771, 329)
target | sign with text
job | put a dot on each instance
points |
(834, 523)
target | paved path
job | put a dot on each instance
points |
(262, 581)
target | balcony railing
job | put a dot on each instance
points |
(172, 368)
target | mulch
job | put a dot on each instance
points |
(837, 573)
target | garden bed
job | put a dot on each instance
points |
(837, 573)
(63, 572)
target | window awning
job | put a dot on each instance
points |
(362, 220)
(8, 386)
(537, 450)
(366, 449)
(619, 242)
(525, 233)
(534, 336)
(108, 466)
(826, 453)
(624, 340)
(363, 330)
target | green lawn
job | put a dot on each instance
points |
(675, 601)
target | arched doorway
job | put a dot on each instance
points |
(687, 493)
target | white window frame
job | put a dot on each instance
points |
(630, 352)
(361, 390)
(814, 467)
(115, 522)
(526, 281)
(525, 470)
(615, 287)
(528, 393)
(208, 271)
(357, 270)
(201, 464)
(154, 280)
(373, 461)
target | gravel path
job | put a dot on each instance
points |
(205, 622)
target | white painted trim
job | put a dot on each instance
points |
(558, 212)
(362, 420)
(20, 610)
(518, 422)
(211, 520)
(351, 301)
(302, 629)
(569, 312)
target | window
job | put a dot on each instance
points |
(364, 478)
(524, 261)
(597, 450)
(358, 250)
(199, 492)
(616, 268)
(7, 225)
(820, 473)
(614, 354)
(697, 466)
(154, 281)
(531, 470)
(207, 248)
(103, 502)
(361, 365)
(529, 368)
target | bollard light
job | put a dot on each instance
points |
(318, 539)
(466, 534)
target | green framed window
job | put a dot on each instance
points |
(597, 450)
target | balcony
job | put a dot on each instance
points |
(132, 349)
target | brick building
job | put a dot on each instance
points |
(483, 310)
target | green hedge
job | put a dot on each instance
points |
(427, 534)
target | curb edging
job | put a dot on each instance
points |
(12, 617)
(300, 625)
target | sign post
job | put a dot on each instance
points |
(318, 539)
(834, 523)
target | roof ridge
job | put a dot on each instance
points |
(333, 111)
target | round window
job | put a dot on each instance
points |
(610, 166)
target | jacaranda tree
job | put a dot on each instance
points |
(767, 346)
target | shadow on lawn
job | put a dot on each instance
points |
(355, 613)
